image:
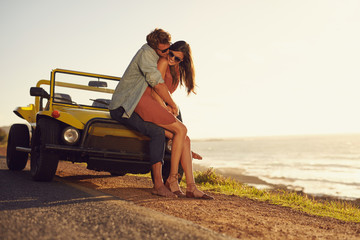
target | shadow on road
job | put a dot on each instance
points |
(19, 191)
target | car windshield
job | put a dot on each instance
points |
(83, 90)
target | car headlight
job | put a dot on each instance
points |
(71, 135)
(168, 147)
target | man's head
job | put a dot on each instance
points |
(159, 40)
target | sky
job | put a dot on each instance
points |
(279, 67)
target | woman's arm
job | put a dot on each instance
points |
(158, 98)
(162, 67)
(162, 90)
(148, 65)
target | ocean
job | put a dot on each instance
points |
(324, 165)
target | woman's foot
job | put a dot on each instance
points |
(173, 185)
(193, 192)
(162, 191)
(196, 155)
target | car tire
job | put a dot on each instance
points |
(44, 163)
(18, 137)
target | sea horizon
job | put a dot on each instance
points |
(222, 138)
(322, 164)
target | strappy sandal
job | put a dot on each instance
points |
(191, 194)
(173, 185)
(163, 192)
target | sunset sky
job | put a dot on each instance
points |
(279, 67)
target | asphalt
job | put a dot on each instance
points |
(60, 210)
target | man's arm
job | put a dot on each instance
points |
(158, 98)
(148, 65)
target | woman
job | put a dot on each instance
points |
(175, 69)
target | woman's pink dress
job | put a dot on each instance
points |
(150, 110)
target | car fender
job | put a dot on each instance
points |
(62, 117)
(28, 113)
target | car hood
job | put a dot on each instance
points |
(78, 117)
(84, 115)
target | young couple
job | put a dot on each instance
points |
(142, 100)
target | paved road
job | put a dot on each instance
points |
(57, 210)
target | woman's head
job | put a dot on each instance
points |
(180, 53)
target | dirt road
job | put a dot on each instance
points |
(58, 210)
(234, 216)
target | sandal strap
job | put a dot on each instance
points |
(172, 183)
(192, 186)
(174, 177)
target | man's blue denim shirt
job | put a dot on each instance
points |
(141, 73)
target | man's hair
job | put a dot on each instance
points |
(158, 36)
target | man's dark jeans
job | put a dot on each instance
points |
(153, 131)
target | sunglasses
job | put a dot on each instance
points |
(171, 55)
(164, 50)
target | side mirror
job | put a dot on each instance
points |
(97, 84)
(39, 92)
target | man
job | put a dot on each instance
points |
(142, 72)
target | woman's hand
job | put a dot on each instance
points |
(163, 92)
(158, 98)
(169, 109)
(175, 110)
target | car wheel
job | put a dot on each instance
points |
(18, 137)
(44, 163)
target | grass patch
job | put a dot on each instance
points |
(342, 210)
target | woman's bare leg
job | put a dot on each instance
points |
(187, 165)
(179, 133)
(186, 162)
(168, 134)
(194, 155)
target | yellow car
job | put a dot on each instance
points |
(71, 121)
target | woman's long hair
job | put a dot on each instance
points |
(186, 66)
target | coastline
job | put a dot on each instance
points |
(235, 174)
(256, 182)
(253, 181)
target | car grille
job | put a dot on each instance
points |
(116, 137)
